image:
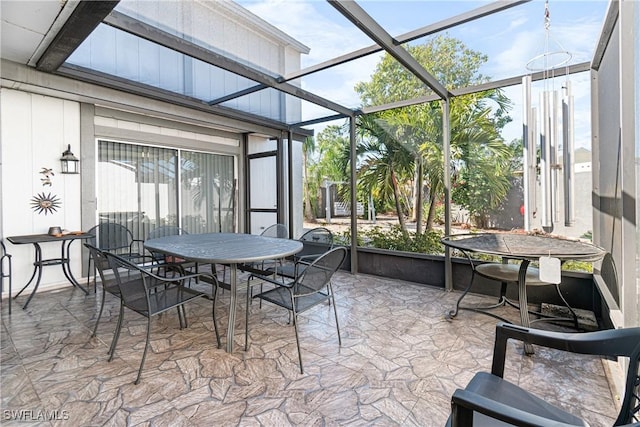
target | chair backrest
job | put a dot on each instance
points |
(131, 279)
(318, 235)
(318, 274)
(100, 261)
(630, 408)
(165, 230)
(316, 242)
(609, 273)
(4, 272)
(276, 230)
(111, 236)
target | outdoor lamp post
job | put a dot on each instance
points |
(69, 162)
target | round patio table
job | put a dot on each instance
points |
(231, 249)
(527, 248)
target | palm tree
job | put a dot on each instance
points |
(308, 146)
(386, 163)
(419, 127)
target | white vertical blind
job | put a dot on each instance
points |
(138, 188)
(207, 193)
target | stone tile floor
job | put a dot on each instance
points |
(399, 363)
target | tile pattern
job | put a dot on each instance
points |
(399, 363)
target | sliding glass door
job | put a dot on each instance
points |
(207, 196)
(144, 187)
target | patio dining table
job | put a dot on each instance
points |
(230, 249)
(526, 248)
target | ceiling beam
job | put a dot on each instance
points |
(358, 17)
(155, 35)
(319, 120)
(400, 104)
(462, 18)
(82, 21)
(152, 92)
(496, 84)
(607, 31)
(513, 81)
(237, 94)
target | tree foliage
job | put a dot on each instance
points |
(413, 134)
(400, 151)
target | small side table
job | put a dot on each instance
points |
(39, 263)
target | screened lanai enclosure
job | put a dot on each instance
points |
(221, 116)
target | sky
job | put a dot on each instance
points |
(510, 39)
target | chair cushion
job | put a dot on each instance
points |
(509, 273)
(500, 390)
(170, 259)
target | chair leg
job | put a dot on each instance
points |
(292, 313)
(95, 328)
(116, 334)
(95, 286)
(182, 316)
(213, 313)
(10, 279)
(335, 311)
(5, 274)
(246, 316)
(461, 416)
(144, 353)
(295, 327)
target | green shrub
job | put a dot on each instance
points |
(395, 239)
(429, 242)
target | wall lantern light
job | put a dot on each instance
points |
(69, 162)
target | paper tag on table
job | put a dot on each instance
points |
(549, 270)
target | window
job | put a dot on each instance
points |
(142, 187)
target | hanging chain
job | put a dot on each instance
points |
(547, 16)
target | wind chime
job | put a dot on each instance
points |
(547, 127)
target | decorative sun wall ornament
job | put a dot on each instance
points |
(48, 173)
(45, 203)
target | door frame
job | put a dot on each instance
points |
(280, 184)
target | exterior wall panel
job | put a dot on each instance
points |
(35, 131)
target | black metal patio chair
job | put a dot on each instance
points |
(315, 242)
(311, 287)
(279, 231)
(5, 271)
(169, 262)
(490, 400)
(148, 294)
(109, 286)
(115, 238)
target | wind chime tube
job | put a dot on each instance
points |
(526, 148)
(545, 133)
(567, 157)
(533, 162)
(556, 116)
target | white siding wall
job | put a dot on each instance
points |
(35, 130)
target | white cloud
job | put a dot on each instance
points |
(315, 24)
(328, 35)
(510, 39)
